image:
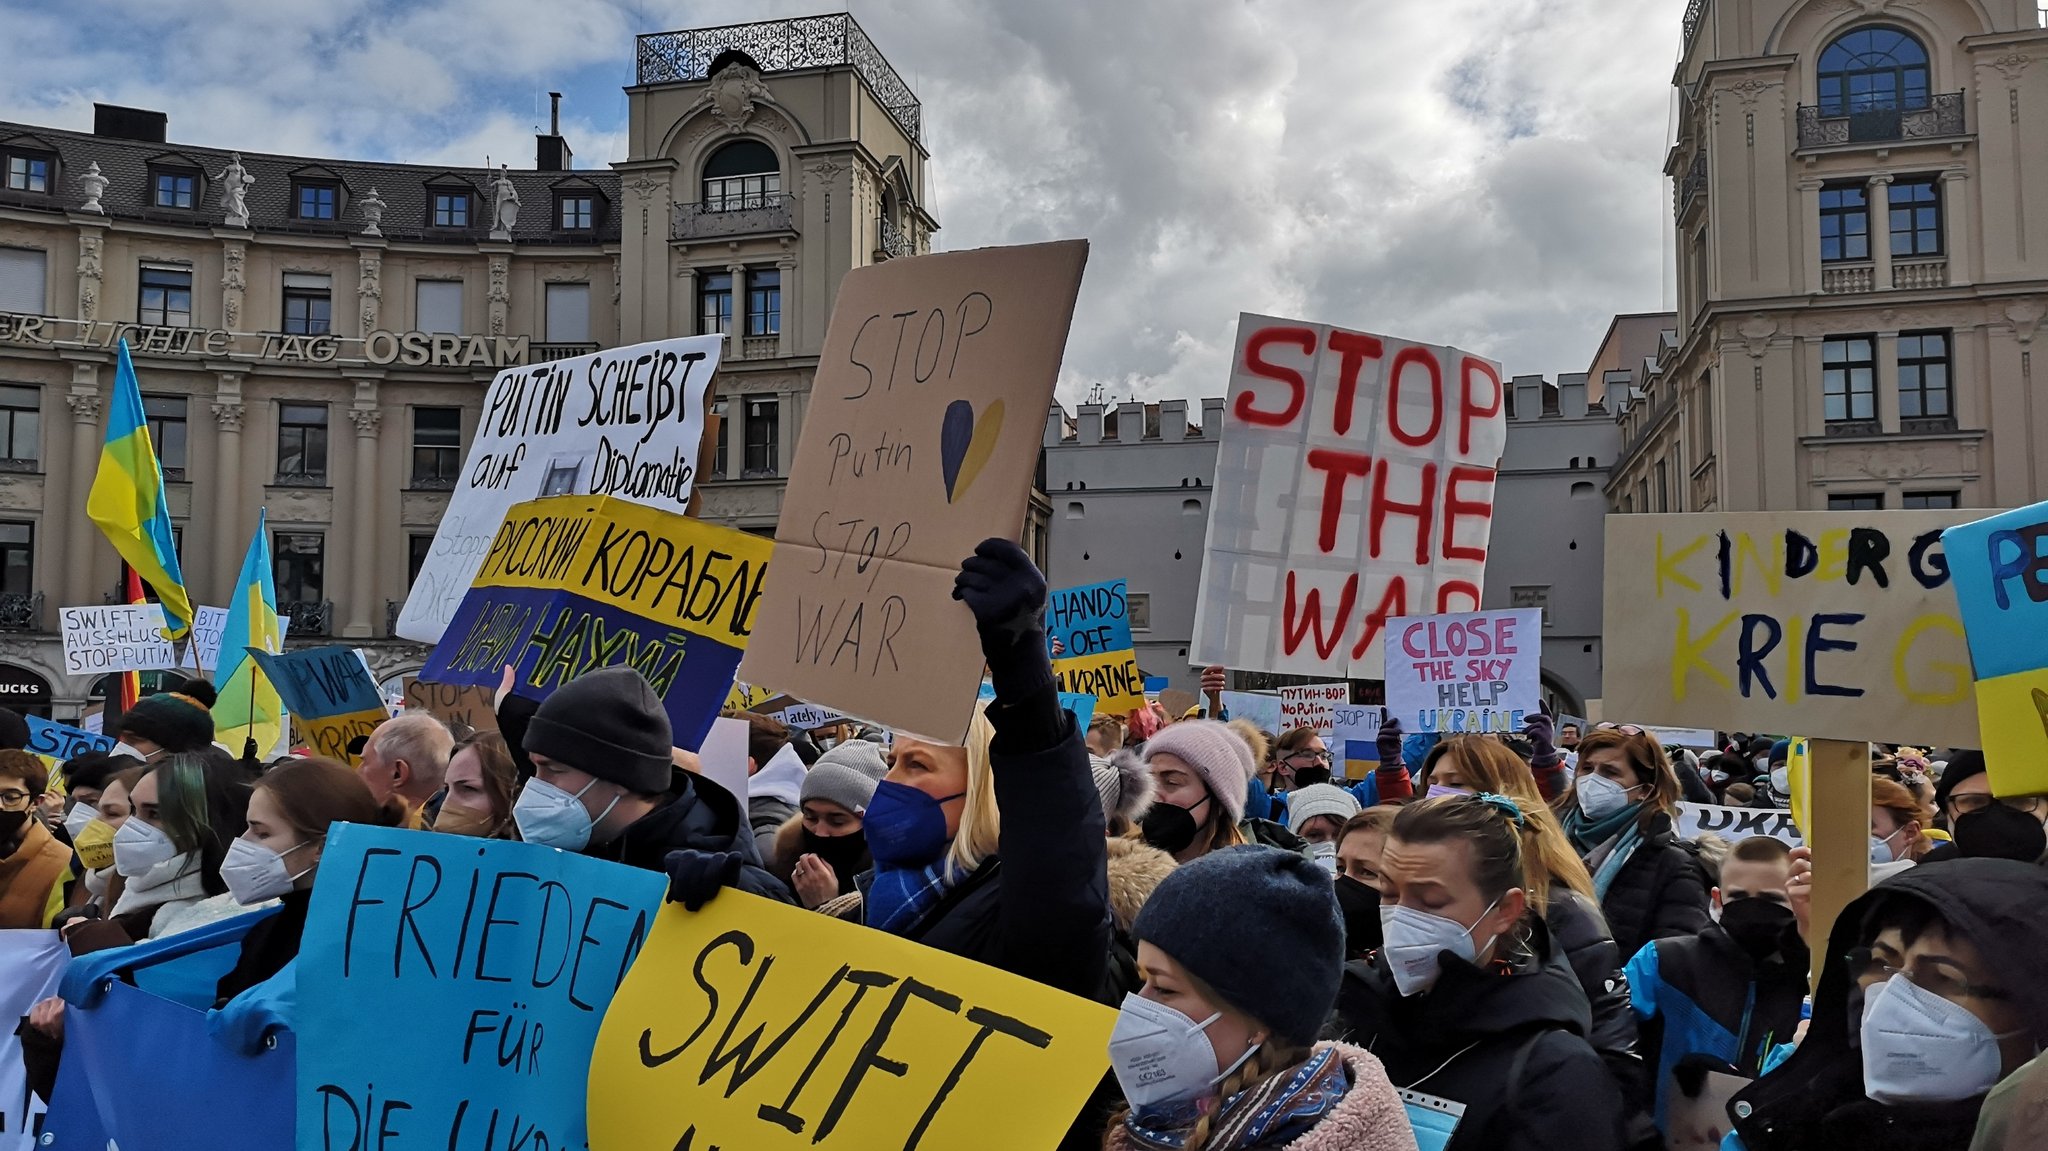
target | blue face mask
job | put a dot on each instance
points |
(904, 826)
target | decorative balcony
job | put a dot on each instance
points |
(831, 41)
(1847, 279)
(309, 619)
(1941, 118)
(890, 243)
(21, 611)
(760, 347)
(1693, 183)
(548, 353)
(736, 216)
(1920, 273)
(1695, 15)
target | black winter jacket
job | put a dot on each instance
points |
(1507, 1040)
(1814, 1101)
(1580, 934)
(1660, 892)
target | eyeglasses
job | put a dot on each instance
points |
(1867, 970)
(1311, 756)
(1623, 728)
(12, 800)
(1980, 801)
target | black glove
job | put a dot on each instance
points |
(1542, 732)
(1389, 742)
(1006, 593)
(694, 877)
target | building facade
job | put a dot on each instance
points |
(315, 337)
(1860, 196)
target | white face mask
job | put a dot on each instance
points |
(75, 820)
(1161, 1056)
(551, 817)
(1599, 796)
(139, 847)
(1324, 855)
(255, 873)
(1781, 779)
(1920, 1048)
(1415, 940)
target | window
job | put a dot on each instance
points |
(21, 420)
(166, 418)
(450, 209)
(438, 306)
(174, 189)
(1138, 608)
(301, 444)
(297, 560)
(1844, 223)
(764, 302)
(1932, 500)
(562, 476)
(308, 303)
(763, 415)
(417, 549)
(166, 297)
(28, 172)
(1663, 487)
(1916, 218)
(1872, 69)
(568, 313)
(1699, 285)
(315, 201)
(1923, 375)
(576, 213)
(714, 304)
(17, 558)
(718, 458)
(24, 279)
(1859, 502)
(743, 174)
(436, 447)
(1848, 378)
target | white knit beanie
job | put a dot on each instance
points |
(1304, 804)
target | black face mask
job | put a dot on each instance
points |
(11, 821)
(2001, 832)
(1170, 828)
(1763, 928)
(1310, 776)
(848, 854)
(1360, 903)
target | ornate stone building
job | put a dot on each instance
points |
(1860, 192)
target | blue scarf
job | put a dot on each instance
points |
(1274, 1113)
(898, 897)
(1624, 827)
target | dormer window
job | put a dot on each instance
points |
(176, 189)
(316, 199)
(29, 171)
(576, 212)
(450, 208)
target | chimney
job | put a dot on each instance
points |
(118, 123)
(551, 152)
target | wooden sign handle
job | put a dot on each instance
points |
(1838, 832)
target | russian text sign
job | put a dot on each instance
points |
(2001, 582)
(573, 583)
(494, 961)
(116, 637)
(1839, 625)
(920, 440)
(623, 422)
(758, 1025)
(1470, 672)
(328, 690)
(1354, 483)
(1093, 626)
(1312, 705)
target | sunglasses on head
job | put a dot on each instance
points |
(1623, 728)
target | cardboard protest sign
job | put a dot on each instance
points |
(1081, 706)
(115, 637)
(499, 959)
(1836, 624)
(808, 716)
(919, 442)
(1261, 709)
(1737, 823)
(1354, 483)
(202, 653)
(1312, 705)
(723, 756)
(1354, 739)
(800, 1030)
(2001, 587)
(463, 707)
(1470, 672)
(59, 742)
(621, 422)
(746, 697)
(329, 692)
(1092, 625)
(1177, 703)
(33, 962)
(575, 583)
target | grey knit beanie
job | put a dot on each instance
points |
(1216, 753)
(1124, 783)
(1305, 803)
(846, 775)
(610, 724)
(1275, 903)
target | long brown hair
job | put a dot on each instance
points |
(1547, 857)
(1651, 766)
(312, 794)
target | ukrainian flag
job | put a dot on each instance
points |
(127, 501)
(249, 706)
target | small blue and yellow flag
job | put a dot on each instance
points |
(127, 501)
(249, 705)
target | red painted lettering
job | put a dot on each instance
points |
(1468, 412)
(1339, 467)
(1455, 507)
(1254, 349)
(1311, 616)
(1462, 587)
(1393, 605)
(1423, 510)
(1408, 641)
(1415, 354)
(1355, 348)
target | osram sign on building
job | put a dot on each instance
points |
(1354, 483)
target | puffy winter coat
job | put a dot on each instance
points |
(1580, 934)
(1659, 893)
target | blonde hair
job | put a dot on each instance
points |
(980, 821)
(1548, 859)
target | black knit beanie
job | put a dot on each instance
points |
(609, 724)
(1962, 766)
(173, 722)
(13, 730)
(1274, 903)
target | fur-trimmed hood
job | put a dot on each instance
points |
(1135, 868)
(1369, 1117)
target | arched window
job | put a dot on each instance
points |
(1872, 69)
(743, 174)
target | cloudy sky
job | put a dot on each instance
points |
(1485, 173)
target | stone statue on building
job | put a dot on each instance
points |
(95, 186)
(372, 206)
(235, 182)
(504, 205)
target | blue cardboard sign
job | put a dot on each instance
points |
(61, 741)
